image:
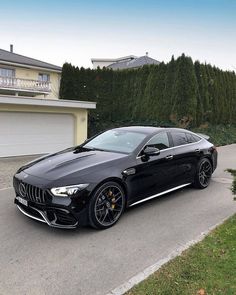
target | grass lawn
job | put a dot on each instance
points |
(208, 267)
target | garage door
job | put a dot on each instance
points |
(34, 133)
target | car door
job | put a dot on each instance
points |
(153, 174)
(187, 155)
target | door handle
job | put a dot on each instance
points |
(170, 157)
(197, 150)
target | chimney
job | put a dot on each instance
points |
(11, 48)
(146, 53)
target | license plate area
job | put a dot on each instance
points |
(22, 201)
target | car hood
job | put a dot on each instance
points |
(71, 163)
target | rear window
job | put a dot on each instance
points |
(181, 138)
(192, 137)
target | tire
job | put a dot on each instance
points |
(106, 205)
(203, 174)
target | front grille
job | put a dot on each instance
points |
(29, 192)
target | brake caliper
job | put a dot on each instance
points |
(113, 199)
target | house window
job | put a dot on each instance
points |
(7, 72)
(44, 77)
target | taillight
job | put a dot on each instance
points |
(213, 149)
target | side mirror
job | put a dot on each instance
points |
(151, 151)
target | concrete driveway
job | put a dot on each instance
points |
(36, 259)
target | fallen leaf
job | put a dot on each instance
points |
(201, 292)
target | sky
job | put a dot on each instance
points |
(59, 31)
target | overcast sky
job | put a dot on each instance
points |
(75, 31)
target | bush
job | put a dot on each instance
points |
(233, 188)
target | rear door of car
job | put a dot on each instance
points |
(187, 154)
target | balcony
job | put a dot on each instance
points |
(24, 86)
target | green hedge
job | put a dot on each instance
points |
(180, 92)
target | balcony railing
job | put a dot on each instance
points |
(24, 84)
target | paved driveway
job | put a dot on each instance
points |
(36, 259)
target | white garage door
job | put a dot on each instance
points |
(34, 133)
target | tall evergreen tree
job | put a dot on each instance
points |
(200, 93)
(141, 105)
(168, 92)
(185, 90)
(68, 85)
(158, 107)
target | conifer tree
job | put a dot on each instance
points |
(140, 106)
(200, 93)
(185, 90)
(67, 86)
(158, 106)
(168, 92)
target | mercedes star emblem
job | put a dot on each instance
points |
(22, 190)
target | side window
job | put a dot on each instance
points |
(179, 138)
(192, 138)
(160, 141)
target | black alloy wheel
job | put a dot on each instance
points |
(106, 205)
(203, 175)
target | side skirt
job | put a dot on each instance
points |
(160, 194)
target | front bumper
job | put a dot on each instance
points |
(37, 202)
(54, 217)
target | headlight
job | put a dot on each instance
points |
(68, 191)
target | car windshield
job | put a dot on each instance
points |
(121, 141)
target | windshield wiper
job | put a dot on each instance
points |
(95, 149)
(88, 148)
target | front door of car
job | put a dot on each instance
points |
(154, 174)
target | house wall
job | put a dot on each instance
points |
(32, 74)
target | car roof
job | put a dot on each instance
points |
(141, 129)
(149, 129)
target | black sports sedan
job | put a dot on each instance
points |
(93, 183)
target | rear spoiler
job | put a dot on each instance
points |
(203, 136)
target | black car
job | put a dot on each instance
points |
(93, 183)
